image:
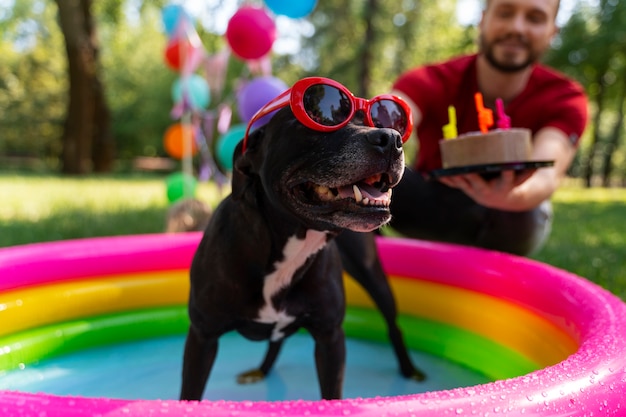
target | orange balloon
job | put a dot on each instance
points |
(174, 138)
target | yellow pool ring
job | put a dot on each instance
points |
(504, 323)
(493, 318)
(46, 304)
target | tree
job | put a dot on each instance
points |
(87, 139)
(32, 84)
(592, 49)
(365, 44)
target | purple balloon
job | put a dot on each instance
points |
(256, 94)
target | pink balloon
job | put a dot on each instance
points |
(251, 32)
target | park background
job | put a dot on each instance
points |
(56, 184)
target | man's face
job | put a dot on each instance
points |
(515, 33)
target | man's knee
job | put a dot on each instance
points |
(522, 233)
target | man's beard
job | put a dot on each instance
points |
(487, 50)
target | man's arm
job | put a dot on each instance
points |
(522, 192)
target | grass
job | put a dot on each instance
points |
(588, 236)
(46, 208)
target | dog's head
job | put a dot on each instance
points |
(329, 181)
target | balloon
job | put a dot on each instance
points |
(226, 144)
(294, 8)
(256, 94)
(184, 50)
(173, 51)
(174, 138)
(251, 32)
(179, 186)
(195, 89)
(171, 16)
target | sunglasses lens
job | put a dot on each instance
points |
(326, 105)
(388, 113)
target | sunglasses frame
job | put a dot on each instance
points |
(294, 97)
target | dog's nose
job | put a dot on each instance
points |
(386, 139)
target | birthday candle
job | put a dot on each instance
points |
(504, 121)
(449, 130)
(485, 116)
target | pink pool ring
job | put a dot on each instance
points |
(590, 380)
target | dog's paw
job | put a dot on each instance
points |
(250, 377)
(416, 375)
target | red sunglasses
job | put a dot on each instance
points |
(325, 105)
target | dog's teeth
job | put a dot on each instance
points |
(366, 201)
(321, 189)
(357, 194)
(324, 193)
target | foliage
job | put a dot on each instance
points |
(137, 84)
(407, 33)
(362, 47)
(32, 81)
(592, 49)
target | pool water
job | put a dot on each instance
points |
(150, 369)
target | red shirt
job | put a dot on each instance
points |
(549, 99)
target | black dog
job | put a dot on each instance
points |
(267, 264)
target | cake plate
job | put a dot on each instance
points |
(490, 171)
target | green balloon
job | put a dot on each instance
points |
(227, 143)
(179, 186)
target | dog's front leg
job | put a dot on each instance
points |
(330, 360)
(198, 360)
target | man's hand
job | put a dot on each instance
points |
(498, 193)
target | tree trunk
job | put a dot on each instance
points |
(591, 154)
(86, 136)
(614, 139)
(103, 148)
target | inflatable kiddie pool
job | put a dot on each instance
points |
(553, 343)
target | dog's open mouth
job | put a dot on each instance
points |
(372, 191)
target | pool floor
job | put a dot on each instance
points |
(150, 369)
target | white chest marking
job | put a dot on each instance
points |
(295, 254)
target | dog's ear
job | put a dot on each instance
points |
(244, 170)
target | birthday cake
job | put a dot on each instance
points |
(477, 148)
(498, 146)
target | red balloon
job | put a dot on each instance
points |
(251, 32)
(177, 51)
